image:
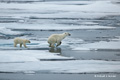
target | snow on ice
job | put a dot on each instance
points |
(27, 55)
(101, 45)
(6, 31)
(77, 66)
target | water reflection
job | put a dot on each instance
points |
(55, 50)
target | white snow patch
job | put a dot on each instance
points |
(112, 45)
(52, 27)
(4, 30)
(77, 66)
(101, 6)
(70, 2)
(95, 9)
(115, 39)
(28, 55)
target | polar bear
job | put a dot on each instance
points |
(57, 38)
(21, 42)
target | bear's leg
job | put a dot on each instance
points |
(20, 45)
(52, 45)
(59, 43)
(49, 44)
(24, 45)
(15, 45)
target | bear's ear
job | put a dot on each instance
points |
(65, 33)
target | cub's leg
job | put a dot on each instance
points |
(24, 45)
(21, 45)
(15, 45)
(49, 44)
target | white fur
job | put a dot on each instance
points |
(57, 38)
(21, 42)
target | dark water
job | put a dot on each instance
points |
(8, 76)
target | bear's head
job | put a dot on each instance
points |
(27, 41)
(67, 34)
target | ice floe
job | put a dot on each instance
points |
(101, 45)
(6, 31)
(46, 15)
(28, 55)
(95, 9)
(32, 61)
(77, 66)
(50, 27)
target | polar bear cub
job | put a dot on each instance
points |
(21, 42)
(57, 38)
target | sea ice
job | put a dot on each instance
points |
(77, 66)
(102, 45)
(27, 55)
(6, 31)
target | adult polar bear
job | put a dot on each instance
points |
(21, 42)
(57, 38)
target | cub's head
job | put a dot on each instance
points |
(27, 41)
(67, 34)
